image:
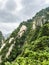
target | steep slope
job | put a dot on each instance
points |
(28, 42)
(14, 43)
(35, 52)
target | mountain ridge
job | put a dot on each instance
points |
(25, 41)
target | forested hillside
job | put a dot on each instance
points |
(29, 43)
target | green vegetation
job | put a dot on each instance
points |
(1, 38)
(33, 47)
(36, 52)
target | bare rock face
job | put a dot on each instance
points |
(22, 30)
(34, 25)
(39, 21)
(10, 49)
(11, 39)
(2, 47)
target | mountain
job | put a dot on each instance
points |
(1, 39)
(29, 43)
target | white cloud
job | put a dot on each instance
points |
(47, 1)
(18, 8)
(19, 5)
(2, 4)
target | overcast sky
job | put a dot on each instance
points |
(12, 12)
